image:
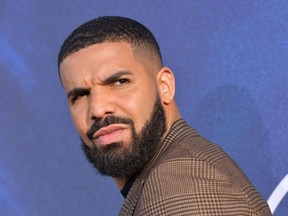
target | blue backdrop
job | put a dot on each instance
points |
(230, 62)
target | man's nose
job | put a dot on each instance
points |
(100, 104)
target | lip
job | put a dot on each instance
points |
(109, 134)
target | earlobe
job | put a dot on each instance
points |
(166, 85)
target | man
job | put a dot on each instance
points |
(122, 103)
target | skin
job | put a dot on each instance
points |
(114, 79)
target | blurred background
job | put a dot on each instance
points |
(230, 63)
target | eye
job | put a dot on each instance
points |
(121, 81)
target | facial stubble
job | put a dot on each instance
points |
(125, 159)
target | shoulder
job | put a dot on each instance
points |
(194, 173)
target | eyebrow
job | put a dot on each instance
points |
(114, 77)
(76, 91)
(107, 81)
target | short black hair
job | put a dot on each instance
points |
(109, 29)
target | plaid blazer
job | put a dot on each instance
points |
(192, 176)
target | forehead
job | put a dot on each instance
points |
(99, 60)
(98, 52)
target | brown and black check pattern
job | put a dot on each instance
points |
(192, 176)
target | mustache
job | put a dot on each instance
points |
(104, 122)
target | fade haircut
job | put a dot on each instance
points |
(111, 29)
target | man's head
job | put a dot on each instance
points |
(120, 96)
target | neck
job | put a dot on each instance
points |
(120, 182)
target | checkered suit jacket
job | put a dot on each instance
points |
(192, 176)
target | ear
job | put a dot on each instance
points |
(166, 85)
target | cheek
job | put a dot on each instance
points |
(139, 107)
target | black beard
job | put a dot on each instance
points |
(116, 160)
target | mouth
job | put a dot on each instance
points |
(110, 134)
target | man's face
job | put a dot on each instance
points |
(113, 102)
